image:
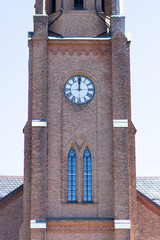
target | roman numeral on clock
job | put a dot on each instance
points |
(89, 95)
(68, 95)
(90, 89)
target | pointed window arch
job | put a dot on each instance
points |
(72, 175)
(87, 176)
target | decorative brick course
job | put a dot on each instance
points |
(80, 226)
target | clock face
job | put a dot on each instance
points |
(79, 89)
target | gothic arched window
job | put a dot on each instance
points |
(78, 4)
(87, 176)
(72, 175)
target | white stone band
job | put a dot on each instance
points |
(39, 123)
(40, 15)
(36, 223)
(80, 38)
(117, 16)
(122, 224)
(120, 122)
(128, 36)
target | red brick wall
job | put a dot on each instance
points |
(11, 217)
(68, 124)
(148, 219)
(78, 23)
(80, 229)
(80, 236)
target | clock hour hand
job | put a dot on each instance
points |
(79, 83)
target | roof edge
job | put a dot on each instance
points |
(148, 177)
(13, 177)
(11, 196)
(148, 203)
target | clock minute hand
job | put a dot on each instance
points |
(79, 83)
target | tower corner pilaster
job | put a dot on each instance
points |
(117, 24)
(40, 25)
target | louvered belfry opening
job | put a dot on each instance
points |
(53, 6)
(78, 4)
(103, 6)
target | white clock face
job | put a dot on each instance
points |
(79, 89)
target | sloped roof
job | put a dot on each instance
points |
(9, 184)
(150, 187)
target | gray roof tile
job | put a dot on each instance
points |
(150, 187)
(9, 184)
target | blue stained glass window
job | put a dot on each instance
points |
(87, 176)
(72, 175)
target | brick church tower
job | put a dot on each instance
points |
(79, 178)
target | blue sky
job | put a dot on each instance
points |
(142, 21)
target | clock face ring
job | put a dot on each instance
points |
(79, 89)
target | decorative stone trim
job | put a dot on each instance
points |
(120, 122)
(79, 52)
(78, 226)
(117, 16)
(39, 123)
(128, 36)
(38, 224)
(77, 47)
(122, 224)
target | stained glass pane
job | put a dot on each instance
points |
(87, 177)
(72, 175)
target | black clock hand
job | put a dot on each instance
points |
(79, 83)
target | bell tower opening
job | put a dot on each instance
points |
(103, 6)
(78, 4)
(53, 6)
